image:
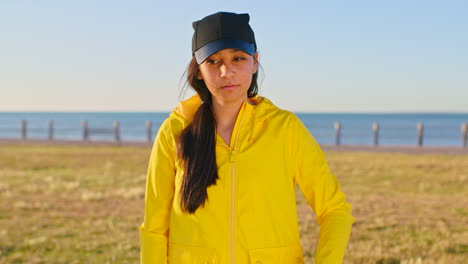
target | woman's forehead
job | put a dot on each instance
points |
(229, 52)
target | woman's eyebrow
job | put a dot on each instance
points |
(232, 51)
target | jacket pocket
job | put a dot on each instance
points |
(290, 254)
(179, 254)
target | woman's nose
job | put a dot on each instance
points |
(226, 70)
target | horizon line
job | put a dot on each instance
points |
(296, 112)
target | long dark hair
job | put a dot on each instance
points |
(197, 144)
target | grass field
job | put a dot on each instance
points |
(83, 204)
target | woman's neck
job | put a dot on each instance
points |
(225, 116)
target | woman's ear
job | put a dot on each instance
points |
(199, 76)
(255, 66)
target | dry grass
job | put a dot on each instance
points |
(408, 208)
(83, 204)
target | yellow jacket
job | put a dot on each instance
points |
(250, 215)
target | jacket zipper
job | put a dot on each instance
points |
(232, 206)
(232, 160)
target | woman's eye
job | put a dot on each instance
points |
(239, 58)
(211, 61)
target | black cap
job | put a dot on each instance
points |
(220, 31)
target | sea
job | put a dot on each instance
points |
(395, 129)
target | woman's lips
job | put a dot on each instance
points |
(229, 87)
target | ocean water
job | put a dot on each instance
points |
(356, 129)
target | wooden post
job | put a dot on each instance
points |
(51, 129)
(464, 128)
(24, 129)
(376, 129)
(84, 125)
(420, 134)
(149, 131)
(337, 133)
(117, 131)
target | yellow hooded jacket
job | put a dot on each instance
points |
(250, 215)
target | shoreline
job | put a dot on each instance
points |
(398, 149)
(342, 148)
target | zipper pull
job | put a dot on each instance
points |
(232, 157)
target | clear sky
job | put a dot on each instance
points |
(317, 56)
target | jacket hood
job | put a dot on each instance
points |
(259, 108)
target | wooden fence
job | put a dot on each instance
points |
(114, 131)
(87, 131)
(419, 131)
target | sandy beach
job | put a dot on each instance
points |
(342, 148)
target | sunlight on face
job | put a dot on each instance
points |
(228, 75)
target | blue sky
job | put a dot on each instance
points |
(317, 56)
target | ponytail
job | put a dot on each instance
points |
(197, 148)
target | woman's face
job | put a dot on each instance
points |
(228, 74)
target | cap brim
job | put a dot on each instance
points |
(217, 45)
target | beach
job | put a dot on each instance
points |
(325, 147)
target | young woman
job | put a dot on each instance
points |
(220, 186)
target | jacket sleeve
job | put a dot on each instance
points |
(322, 191)
(158, 199)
